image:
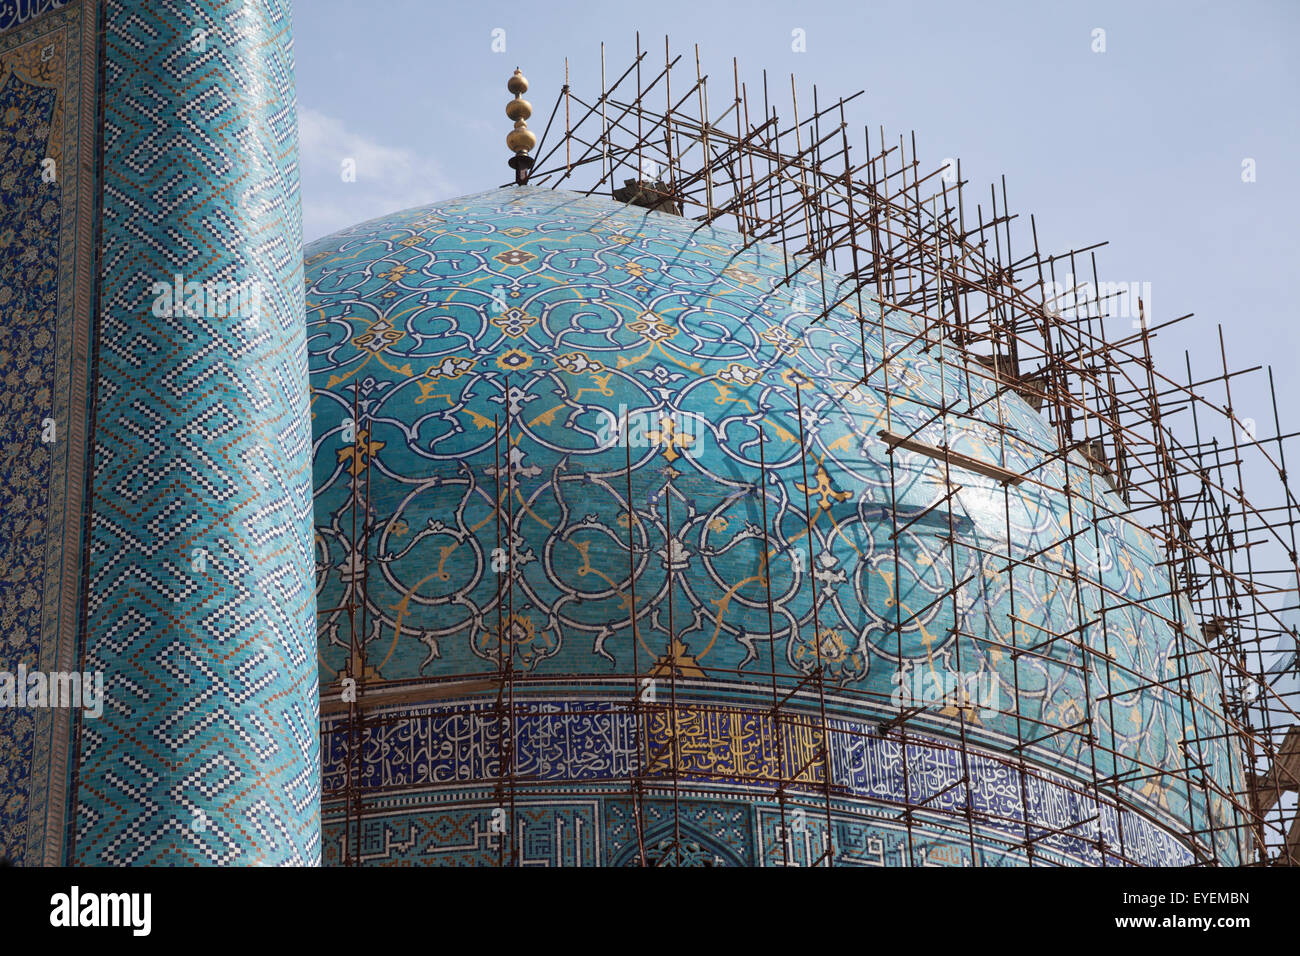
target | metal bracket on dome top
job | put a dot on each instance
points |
(521, 165)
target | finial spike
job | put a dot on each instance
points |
(521, 140)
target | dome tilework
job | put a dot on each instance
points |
(585, 344)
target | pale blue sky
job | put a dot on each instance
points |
(1141, 145)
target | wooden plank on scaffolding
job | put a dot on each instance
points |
(954, 458)
(376, 696)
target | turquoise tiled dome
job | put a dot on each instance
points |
(590, 336)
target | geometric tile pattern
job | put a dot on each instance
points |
(711, 833)
(199, 609)
(47, 142)
(588, 328)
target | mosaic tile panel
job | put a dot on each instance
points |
(451, 749)
(47, 142)
(15, 13)
(554, 833)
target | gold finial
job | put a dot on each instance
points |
(521, 139)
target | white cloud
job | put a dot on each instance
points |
(388, 178)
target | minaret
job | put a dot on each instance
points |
(156, 538)
(199, 599)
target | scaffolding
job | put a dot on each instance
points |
(1171, 445)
